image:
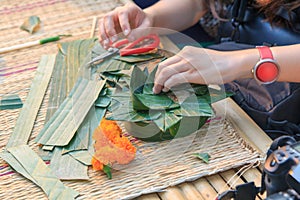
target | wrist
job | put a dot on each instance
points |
(243, 63)
(150, 15)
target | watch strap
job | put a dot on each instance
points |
(265, 52)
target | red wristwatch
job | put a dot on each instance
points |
(266, 69)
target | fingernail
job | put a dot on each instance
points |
(114, 38)
(165, 89)
(126, 32)
(154, 91)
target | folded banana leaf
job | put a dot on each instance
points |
(153, 117)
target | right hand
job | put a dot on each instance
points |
(123, 19)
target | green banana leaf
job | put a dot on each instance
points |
(103, 101)
(126, 114)
(151, 102)
(166, 121)
(194, 106)
(10, 102)
(112, 65)
(138, 78)
(148, 87)
(138, 58)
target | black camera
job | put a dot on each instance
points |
(280, 177)
(282, 169)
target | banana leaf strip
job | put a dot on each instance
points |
(112, 65)
(138, 58)
(59, 115)
(84, 157)
(69, 59)
(37, 171)
(103, 101)
(61, 128)
(100, 113)
(66, 167)
(31, 24)
(119, 99)
(16, 165)
(10, 102)
(80, 141)
(113, 78)
(26, 119)
(75, 54)
(114, 105)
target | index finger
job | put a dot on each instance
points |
(165, 73)
(123, 18)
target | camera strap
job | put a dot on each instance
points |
(247, 191)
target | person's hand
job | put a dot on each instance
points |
(200, 66)
(122, 20)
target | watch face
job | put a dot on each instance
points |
(266, 71)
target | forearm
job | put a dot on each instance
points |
(242, 62)
(288, 60)
(176, 14)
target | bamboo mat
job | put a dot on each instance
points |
(157, 166)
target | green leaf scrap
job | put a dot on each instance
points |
(31, 24)
(10, 102)
(107, 171)
(203, 156)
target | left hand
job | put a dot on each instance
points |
(200, 66)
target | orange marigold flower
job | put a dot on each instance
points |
(97, 165)
(110, 146)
